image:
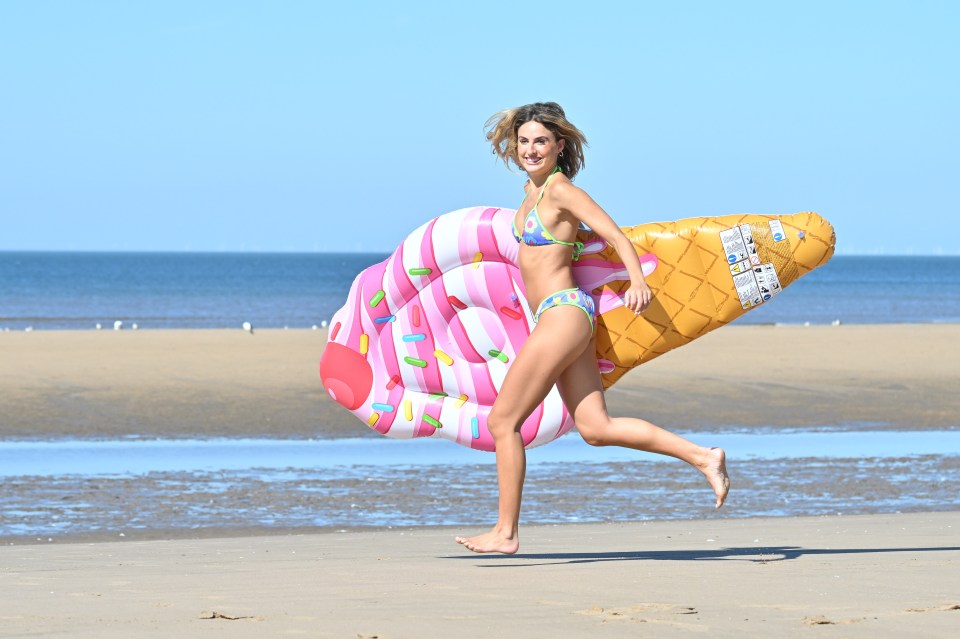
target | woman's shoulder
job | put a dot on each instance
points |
(564, 190)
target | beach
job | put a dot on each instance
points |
(180, 383)
(872, 576)
(886, 574)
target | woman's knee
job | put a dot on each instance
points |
(500, 426)
(594, 432)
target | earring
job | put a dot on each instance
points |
(561, 154)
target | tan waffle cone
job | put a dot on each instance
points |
(693, 287)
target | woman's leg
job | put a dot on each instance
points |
(582, 392)
(558, 339)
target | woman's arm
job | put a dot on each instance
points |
(576, 202)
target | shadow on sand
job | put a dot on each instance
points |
(755, 554)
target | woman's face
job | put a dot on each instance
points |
(537, 147)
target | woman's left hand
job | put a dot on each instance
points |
(637, 297)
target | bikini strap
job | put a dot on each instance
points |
(544, 187)
(577, 246)
(577, 250)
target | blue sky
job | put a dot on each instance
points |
(309, 126)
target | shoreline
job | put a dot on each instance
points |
(132, 535)
(265, 494)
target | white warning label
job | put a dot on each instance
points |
(767, 281)
(749, 244)
(747, 289)
(740, 267)
(733, 245)
(777, 229)
(755, 282)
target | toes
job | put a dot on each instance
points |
(466, 543)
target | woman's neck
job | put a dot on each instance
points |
(540, 177)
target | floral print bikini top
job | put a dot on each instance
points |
(535, 233)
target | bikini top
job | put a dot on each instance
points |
(534, 231)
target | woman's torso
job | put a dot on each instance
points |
(545, 268)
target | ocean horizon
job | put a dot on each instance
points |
(77, 290)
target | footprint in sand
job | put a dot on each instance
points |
(820, 620)
(641, 613)
(944, 608)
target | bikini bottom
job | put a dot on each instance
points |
(569, 297)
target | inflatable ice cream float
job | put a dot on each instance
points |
(425, 338)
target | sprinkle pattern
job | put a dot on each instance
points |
(500, 355)
(413, 361)
(435, 323)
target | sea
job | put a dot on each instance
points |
(81, 290)
(72, 488)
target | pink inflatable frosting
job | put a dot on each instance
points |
(424, 340)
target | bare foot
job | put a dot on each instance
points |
(492, 541)
(715, 469)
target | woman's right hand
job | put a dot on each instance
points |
(637, 298)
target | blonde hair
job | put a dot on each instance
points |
(501, 130)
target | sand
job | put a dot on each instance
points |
(862, 576)
(231, 383)
(882, 575)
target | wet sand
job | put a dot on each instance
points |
(880, 576)
(204, 383)
(187, 505)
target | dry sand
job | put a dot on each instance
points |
(230, 383)
(859, 576)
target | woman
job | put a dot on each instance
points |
(540, 140)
